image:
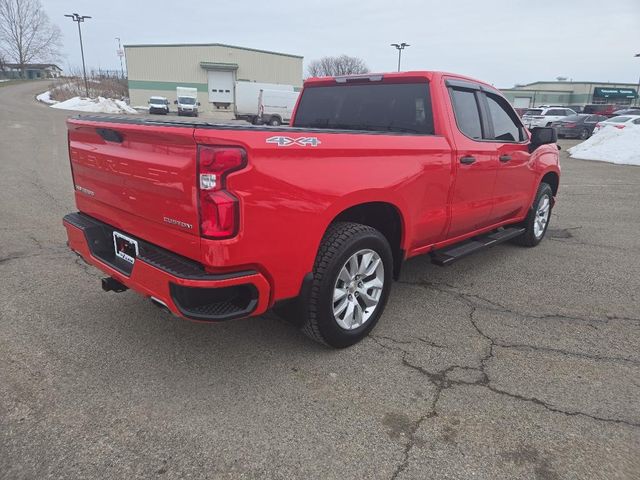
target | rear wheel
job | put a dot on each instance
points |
(538, 218)
(352, 278)
(275, 121)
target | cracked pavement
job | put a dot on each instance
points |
(511, 364)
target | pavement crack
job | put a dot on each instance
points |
(478, 301)
(560, 351)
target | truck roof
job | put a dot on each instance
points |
(399, 77)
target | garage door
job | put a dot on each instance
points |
(522, 102)
(220, 86)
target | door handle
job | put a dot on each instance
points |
(467, 159)
(505, 158)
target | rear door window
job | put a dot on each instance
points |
(380, 107)
(467, 112)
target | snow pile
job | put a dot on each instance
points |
(45, 97)
(613, 145)
(95, 105)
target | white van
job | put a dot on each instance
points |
(187, 101)
(247, 95)
(276, 106)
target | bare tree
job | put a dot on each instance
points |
(26, 34)
(334, 66)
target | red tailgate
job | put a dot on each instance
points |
(138, 178)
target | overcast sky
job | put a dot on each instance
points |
(500, 41)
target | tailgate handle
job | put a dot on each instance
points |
(110, 135)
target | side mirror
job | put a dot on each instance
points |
(175, 102)
(198, 103)
(542, 136)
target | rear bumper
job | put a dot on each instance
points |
(175, 281)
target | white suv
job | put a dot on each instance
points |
(544, 117)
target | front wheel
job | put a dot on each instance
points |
(538, 218)
(352, 278)
(584, 134)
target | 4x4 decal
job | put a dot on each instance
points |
(288, 141)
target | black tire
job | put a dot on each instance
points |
(275, 121)
(340, 242)
(584, 134)
(528, 238)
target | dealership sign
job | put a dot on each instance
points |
(615, 92)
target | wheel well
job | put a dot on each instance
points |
(385, 218)
(552, 179)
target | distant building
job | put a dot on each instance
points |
(32, 71)
(572, 93)
(212, 68)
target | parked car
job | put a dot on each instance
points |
(577, 126)
(605, 109)
(619, 122)
(627, 111)
(544, 117)
(316, 219)
(159, 105)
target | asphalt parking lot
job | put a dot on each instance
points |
(512, 364)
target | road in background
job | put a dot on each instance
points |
(513, 363)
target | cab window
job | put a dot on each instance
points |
(467, 112)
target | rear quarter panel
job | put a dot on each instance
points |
(290, 194)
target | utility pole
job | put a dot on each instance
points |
(120, 54)
(638, 90)
(400, 47)
(79, 19)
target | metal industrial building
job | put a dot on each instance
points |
(571, 93)
(212, 68)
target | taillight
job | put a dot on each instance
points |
(219, 209)
(619, 126)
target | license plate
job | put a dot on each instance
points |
(126, 248)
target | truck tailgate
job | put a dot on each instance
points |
(139, 178)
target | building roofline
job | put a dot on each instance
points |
(534, 90)
(575, 82)
(210, 45)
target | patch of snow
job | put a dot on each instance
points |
(45, 97)
(612, 145)
(95, 105)
(4, 80)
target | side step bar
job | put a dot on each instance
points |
(448, 255)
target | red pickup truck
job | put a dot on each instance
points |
(215, 222)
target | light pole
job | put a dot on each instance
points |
(120, 54)
(81, 18)
(400, 47)
(638, 90)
